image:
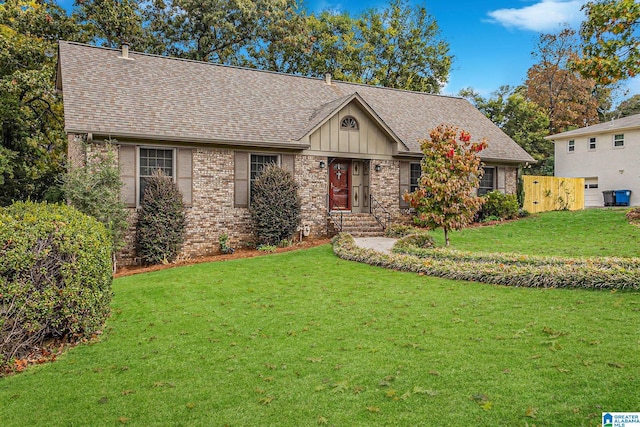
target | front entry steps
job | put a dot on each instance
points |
(357, 224)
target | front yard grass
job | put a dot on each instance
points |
(304, 338)
(590, 232)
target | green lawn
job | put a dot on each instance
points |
(304, 338)
(591, 232)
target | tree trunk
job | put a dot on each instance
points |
(446, 236)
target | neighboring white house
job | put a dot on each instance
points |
(606, 155)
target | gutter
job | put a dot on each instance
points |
(194, 140)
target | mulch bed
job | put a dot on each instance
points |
(238, 254)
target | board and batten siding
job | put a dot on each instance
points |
(369, 139)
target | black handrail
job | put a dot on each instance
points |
(379, 212)
(334, 214)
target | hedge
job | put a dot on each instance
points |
(587, 273)
(55, 277)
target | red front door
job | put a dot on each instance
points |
(339, 182)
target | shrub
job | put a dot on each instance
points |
(498, 206)
(94, 189)
(275, 206)
(400, 230)
(223, 240)
(161, 221)
(502, 269)
(419, 240)
(55, 277)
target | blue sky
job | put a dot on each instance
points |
(491, 40)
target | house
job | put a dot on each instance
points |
(352, 148)
(606, 155)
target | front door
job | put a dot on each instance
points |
(339, 183)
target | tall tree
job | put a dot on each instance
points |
(566, 97)
(610, 40)
(402, 48)
(221, 31)
(111, 22)
(628, 107)
(32, 139)
(523, 120)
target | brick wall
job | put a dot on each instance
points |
(385, 185)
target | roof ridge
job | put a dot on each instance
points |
(238, 67)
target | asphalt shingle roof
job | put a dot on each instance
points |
(155, 97)
(625, 123)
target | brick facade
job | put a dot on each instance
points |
(213, 214)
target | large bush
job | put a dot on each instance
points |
(55, 277)
(275, 206)
(94, 189)
(161, 221)
(499, 206)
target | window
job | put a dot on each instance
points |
(258, 163)
(487, 183)
(592, 144)
(591, 183)
(618, 140)
(151, 160)
(572, 146)
(349, 123)
(416, 172)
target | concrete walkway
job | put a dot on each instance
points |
(380, 244)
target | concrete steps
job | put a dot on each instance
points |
(358, 224)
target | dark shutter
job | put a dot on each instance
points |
(127, 165)
(286, 162)
(241, 179)
(405, 182)
(184, 174)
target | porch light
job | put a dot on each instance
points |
(322, 164)
(378, 167)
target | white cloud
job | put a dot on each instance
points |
(545, 16)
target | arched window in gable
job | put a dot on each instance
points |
(349, 123)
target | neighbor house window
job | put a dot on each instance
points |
(572, 146)
(592, 143)
(488, 181)
(416, 172)
(258, 163)
(618, 140)
(152, 160)
(349, 123)
(591, 183)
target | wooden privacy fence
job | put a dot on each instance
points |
(551, 193)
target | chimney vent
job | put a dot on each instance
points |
(125, 50)
(327, 78)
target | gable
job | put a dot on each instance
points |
(370, 138)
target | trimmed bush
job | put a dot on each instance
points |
(419, 240)
(587, 273)
(161, 221)
(499, 206)
(55, 277)
(275, 206)
(400, 230)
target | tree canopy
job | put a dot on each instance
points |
(32, 139)
(610, 40)
(566, 97)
